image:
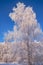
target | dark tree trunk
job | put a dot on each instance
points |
(29, 54)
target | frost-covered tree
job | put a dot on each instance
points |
(27, 28)
(19, 45)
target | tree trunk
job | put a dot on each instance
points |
(29, 54)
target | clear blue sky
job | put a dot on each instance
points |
(6, 7)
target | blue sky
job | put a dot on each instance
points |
(6, 7)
